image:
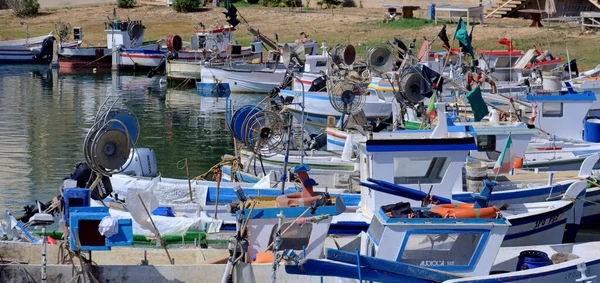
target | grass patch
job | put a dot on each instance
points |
(245, 4)
(407, 24)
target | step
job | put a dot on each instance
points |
(506, 9)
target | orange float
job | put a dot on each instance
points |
(518, 163)
(304, 198)
(263, 257)
(465, 211)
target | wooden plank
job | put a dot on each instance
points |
(217, 259)
(539, 176)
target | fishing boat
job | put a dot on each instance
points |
(213, 45)
(397, 249)
(264, 229)
(35, 50)
(125, 48)
(261, 77)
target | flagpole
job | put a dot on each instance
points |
(569, 62)
(441, 75)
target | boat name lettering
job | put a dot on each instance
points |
(436, 262)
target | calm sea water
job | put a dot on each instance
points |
(44, 117)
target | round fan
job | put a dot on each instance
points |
(379, 59)
(109, 141)
(347, 97)
(63, 31)
(264, 133)
(135, 31)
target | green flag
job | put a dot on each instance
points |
(462, 36)
(478, 105)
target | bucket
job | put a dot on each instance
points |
(532, 259)
(476, 175)
(551, 81)
(591, 129)
(163, 211)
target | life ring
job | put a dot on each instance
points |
(295, 200)
(465, 211)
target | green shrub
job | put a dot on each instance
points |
(186, 5)
(125, 4)
(24, 8)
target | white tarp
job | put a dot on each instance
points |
(167, 191)
(141, 203)
(550, 7)
(170, 225)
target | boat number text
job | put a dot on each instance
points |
(550, 220)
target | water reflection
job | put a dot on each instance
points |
(44, 117)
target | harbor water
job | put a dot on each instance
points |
(44, 117)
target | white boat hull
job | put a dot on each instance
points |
(250, 80)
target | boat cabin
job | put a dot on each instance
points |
(127, 34)
(414, 250)
(212, 38)
(562, 115)
(307, 237)
(421, 160)
(447, 244)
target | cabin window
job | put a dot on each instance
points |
(505, 62)
(552, 109)
(441, 250)
(308, 50)
(486, 143)
(424, 170)
(296, 238)
(321, 63)
(375, 231)
(201, 42)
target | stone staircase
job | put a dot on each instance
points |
(505, 7)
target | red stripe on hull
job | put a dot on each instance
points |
(335, 135)
(142, 56)
(83, 64)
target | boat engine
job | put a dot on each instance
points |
(46, 50)
(141, 163)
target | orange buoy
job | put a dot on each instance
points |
(518, 163)
(263, 257)
(465, 211)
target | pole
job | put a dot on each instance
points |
(569, 63)
(43, 254)
(157, 232)
(187, 171)
(287, 155)
(218, 189)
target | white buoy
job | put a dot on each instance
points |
(494, 117)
